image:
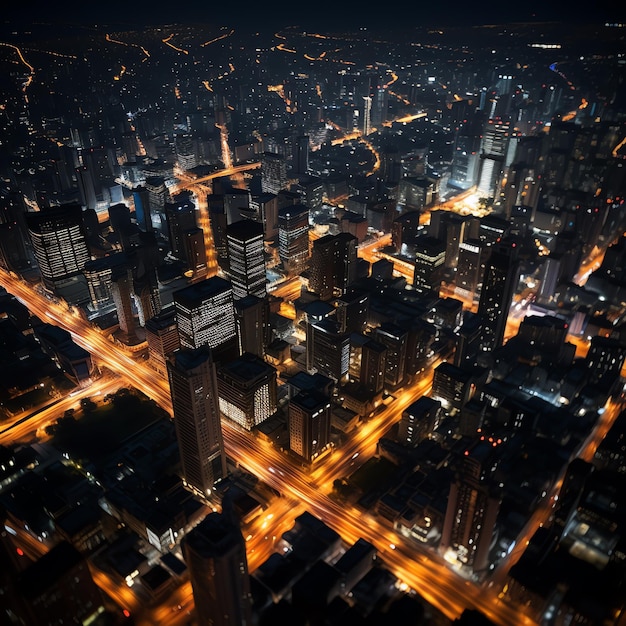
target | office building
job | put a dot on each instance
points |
(373, 366)
(301, 154)
(143, 213)
(293, 238)
(419, 420)
(454, 386)
(121, 291)
(205, 315)
(471, 266)
(327, 349)
(195, 406)
(158, 193)
(247, 390)
(493, 152)
(499, 285)
(60, 246)
(56, 586)
(430, 256)
(273, 172)
(195, 254)
(181, 217)
(395, 339)
(332, 267)
(309, 424)
(472, 510)
(215, 554)
(351, 310)
(252, 322)
(162, 339)
(246, 261)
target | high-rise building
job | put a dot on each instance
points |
(419, 420)
(373, 366)
(301, 154)
(499, 285)
(162, 339)
(158, 193)
(195, 254)
(309, 424)
(57, 586)
(470, 268)
(394, 338)
(193, 385)
(121, 290)
(60, 247)
(327, 349)
(472, 510)
(181, 217)
(86, 187)
(247, 390)
(246, 261)
(492, 158)
(430, 256)
(143, 214)
(215, 554)
(205, 315)
(293, 237)
(332, 266)
(252, 320)
(268, 214)
(273, 172)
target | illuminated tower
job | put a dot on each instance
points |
(332, 265)
(215, 553)
(205, 315)
(472, 510)
(193, 386)
(367, 115)
(273, 172)
(499, 284)
(246, 262)
(293, 237)
(247, 390)
(181, 217)
(309, 424)
(60, 246)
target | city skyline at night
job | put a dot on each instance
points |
(328, 301)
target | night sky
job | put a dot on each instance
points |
(315, 13)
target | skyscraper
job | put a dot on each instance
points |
(309, 424)
(205, 315)
(430, 256)
(499, 284)
(273, 172)
(181, 217)
(247, 390)
(246, 262)
(60, 246)
(193, 386)
(293, 237)
(215, 553)
(332, 265)
(472, 510)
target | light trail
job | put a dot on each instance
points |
(166, 41)
(31, 69)
(215, 39)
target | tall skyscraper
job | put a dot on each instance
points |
(193, 385)
(181, 217)
(492, 158)
(60, 246)
(293, 237)
(499, 284)
(327, 349)
(162, 339)
(247, 390)
(246, 261)
(252, 320)
(309, 424)
(332, 265)
(273, 172)
(205, 315)
(215, 553)
(195, 254)
(473, 505)
(430, 256)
